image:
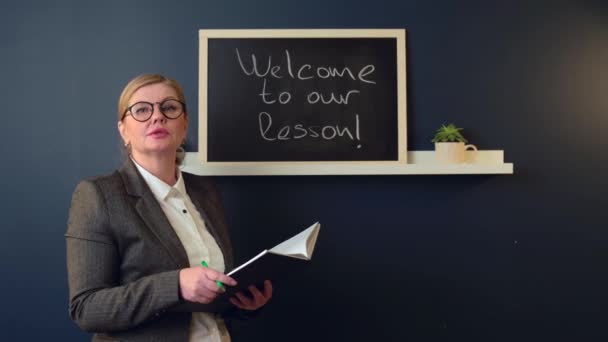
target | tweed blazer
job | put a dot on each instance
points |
(124, 257)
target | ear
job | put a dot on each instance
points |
(123, 132)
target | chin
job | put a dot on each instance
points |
(161, 149)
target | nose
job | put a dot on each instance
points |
(157, 115)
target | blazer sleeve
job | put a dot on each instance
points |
(97, 300)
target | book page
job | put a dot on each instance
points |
(299, 246)
(312, 240)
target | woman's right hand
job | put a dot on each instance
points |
(198, 284)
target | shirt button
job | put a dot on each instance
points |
(184, 211)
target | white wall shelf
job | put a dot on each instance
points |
(418, 163)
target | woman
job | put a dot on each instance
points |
(136, 238)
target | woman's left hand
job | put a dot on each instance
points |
(259, 299)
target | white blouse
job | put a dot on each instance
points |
(198, 242)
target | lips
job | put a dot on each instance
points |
(158, 133)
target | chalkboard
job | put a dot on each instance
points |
(302, 95)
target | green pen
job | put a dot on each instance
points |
(219, 283)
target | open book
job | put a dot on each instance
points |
(299, 246)
(275, 263)
(271, 264)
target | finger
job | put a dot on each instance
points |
(214, 275)
(210, 273)
(212, 283)
(226, 280)
(257, 295)
(245, 300)
(212, 286)
(267, 289)
(236, 303)
(258, 300)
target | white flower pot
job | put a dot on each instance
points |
(451, 152)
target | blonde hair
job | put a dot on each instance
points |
(142, 81)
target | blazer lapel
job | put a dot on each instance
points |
(152, 214)
(202, 202)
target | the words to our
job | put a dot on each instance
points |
(305, 72)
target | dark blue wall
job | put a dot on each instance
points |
(424, 258)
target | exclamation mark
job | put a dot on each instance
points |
(357, 129)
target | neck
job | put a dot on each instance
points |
(162, 166)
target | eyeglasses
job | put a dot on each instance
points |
(142, 111)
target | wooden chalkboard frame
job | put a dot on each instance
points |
(313, 166)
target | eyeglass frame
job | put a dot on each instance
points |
(128, 110)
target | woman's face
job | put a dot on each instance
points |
(158, 135)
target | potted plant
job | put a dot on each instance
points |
(450, 145)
